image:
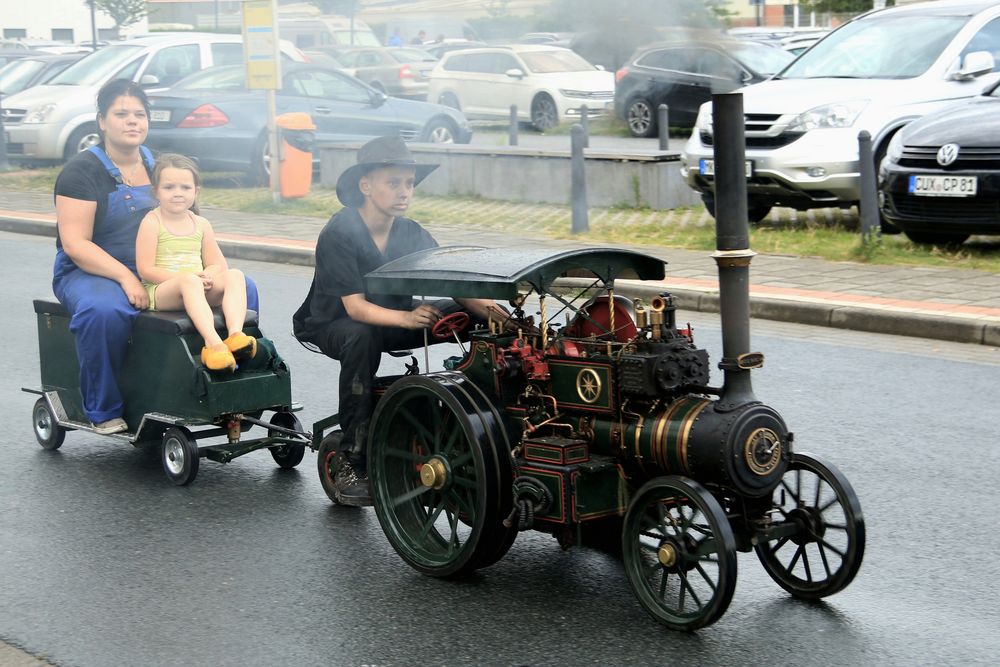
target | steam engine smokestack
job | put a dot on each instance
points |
(732, 250)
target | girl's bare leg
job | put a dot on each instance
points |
(187, 293)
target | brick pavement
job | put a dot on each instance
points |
(935, 302)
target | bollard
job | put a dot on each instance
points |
(585, 123)
(578, 181)
(4, 165)
(512, 128)
(868, 206)
(663, 125)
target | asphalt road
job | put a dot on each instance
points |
(104, 562)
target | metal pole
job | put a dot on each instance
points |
(274, 145)
(4, 165)
(578, 181)
(93, 25)
(663, 124)
(732, 245)
(585, 123)
(870, 223)
(512, 128)
(216, 15)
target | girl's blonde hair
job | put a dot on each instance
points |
(175, 161)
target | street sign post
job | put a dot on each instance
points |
(261, 54)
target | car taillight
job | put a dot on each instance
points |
(207, 115)
(405, 72)
(620, 74)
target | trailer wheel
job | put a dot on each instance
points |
(289, 455)
(679, 553)
(437, 487)
(823, 555)
(48, 432)
(179, 453)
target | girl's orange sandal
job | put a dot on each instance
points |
(241, 345)
(218, 358)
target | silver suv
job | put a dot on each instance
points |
(58, 120)
(876, 73)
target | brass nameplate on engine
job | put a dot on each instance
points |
(750, 360)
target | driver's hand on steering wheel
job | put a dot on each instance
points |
(422, 317)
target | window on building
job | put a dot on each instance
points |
(15, 33)
(62, 35)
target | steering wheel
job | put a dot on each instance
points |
(450, 324)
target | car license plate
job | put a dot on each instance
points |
(425, 73)
(160, 115)
(943, 186)
(707, 167)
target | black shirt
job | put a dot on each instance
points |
(345, 252)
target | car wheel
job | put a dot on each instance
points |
(757, 209)
(641, 118)
(936, 238)
(544, 115)
(450, 100)
(260, 161)
(440, 131)
(81, 139)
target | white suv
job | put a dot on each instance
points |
(875, 73)
(548, 84)
(58, 120)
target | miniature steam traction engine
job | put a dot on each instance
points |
(606, 421)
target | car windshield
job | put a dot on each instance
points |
(97, 66)
(15, 75)
(760, 58)
(230, 77)
(410, 55)
(547, 62)
(888, 47)
(361, 38)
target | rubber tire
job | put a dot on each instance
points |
(75, 144)
(544, 123)
(48, 433)
(259, 171)
(324, 458)
(444, 128)
(286, 456)
(756, 210)
(650, 117)
(179, 437)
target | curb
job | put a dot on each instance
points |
(874, 319)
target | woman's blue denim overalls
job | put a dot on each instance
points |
(100, 315)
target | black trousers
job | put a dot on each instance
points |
(359, 347)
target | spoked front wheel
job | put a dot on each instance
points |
(437, 487)
(822, 545)
(679, 553)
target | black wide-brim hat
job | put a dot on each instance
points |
(377, 153)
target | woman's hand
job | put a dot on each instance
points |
(135, 291)
(207, 280)
(421, 317)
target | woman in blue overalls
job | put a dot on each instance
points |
(101, 197)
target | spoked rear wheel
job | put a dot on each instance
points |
(679, 553)
(437, 486)
(822, 552)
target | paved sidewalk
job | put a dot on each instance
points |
(940, 303)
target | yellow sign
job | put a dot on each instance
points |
(260, 45)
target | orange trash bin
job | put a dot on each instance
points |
(297, 133)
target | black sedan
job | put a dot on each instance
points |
(211, 115)
(684, 74)
(940, 180)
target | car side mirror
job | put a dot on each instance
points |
(148, 80)
(975, 64)
(746, 77)
(378, 98)
(515, 73)
(600, 67)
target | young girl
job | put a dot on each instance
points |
(182, 267)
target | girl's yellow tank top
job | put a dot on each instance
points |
(180, 254)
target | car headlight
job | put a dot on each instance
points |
(581, 94)
(704, 120)
(841, 114)
(40, 114)
(895, 149)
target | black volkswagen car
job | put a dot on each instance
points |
(940, 179)
(685, 73)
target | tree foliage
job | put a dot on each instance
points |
(836, 6)
(123, 12)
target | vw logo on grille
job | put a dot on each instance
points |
(947, 154)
